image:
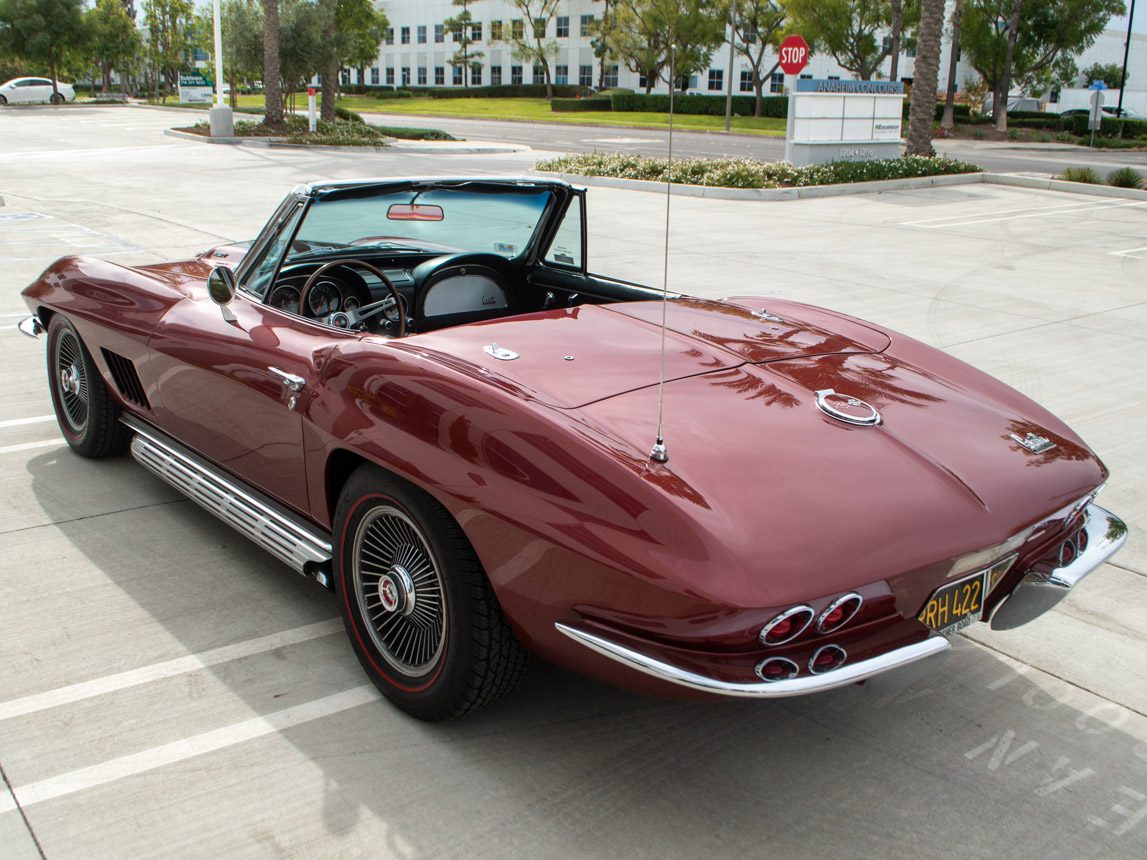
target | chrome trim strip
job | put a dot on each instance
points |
(788, 613)
(31, 326)
(844, 598)
(842, 677)
(304, 549)
(1037, 593)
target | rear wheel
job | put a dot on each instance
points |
(418, 608)
(3, 101)
(87, 414)
(57, 98)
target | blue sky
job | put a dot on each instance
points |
(1140, 26)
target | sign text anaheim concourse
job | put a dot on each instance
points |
(794, 54)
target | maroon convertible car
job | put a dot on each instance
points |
(417, 393)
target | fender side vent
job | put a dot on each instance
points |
(126, 379)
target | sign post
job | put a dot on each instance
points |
(1095, 118)
(312, 119)
(793, 54)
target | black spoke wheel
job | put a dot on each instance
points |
(418, 608)
(87, 414)
(57, 99)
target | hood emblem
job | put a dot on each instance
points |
(850, 410)
(1034, 442)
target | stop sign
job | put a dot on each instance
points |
(794, 54)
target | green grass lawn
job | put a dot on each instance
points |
(537, 110)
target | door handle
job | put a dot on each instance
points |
(293, 382)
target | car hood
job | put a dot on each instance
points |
(577, 356)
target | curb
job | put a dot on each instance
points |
(392, 144)
(815, 191)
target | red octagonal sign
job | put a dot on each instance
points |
(794, 54)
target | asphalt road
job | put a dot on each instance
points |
(554, 138)
(170, 690)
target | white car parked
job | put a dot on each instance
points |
(25, 90)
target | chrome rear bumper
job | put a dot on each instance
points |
(1037, 593)
(933, 648)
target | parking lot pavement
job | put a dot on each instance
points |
(170, 690)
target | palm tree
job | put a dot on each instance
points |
(949, 120)
(925, 78)
(271, 89)
(1000, 100)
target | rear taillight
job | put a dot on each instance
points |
(777, 669)
(787, 626)
(838, 613)
(826, 659)
(1067, 553)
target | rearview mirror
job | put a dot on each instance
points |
(221, 288)
(414, 212)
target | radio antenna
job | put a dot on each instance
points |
(660, 454)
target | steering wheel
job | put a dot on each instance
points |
(351, 319)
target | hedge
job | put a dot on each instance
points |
(771, 106)
(571, 105)
(502, 91)
(1110, 126)
(374, 91)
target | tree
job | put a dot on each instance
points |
(461, 27)
(603, 32)
(302, 51)
(42, 31)
(1049, 35)
(170, 26)
(647, 28)
(113, 40)
(352, 32)
(924, 78)
(949, 120)
(1110, 73)
(272, 92)
(242, 25)
(1000, 102)
(758, 26)
(530, 44)
(850, 30)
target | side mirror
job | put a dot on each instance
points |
(221, 288)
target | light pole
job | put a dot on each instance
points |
(1126, 48)
(221, 120)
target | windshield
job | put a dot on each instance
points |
(500, 221)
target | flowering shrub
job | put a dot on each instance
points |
(749, 173)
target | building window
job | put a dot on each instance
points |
(406, 76)
(439, 76)
(834, 77)
(611, 77)
(1053, 96)
(539, 74)
(495, 31)
(806, 77)
(476, 31)
(390, 35)
(563, 26)
(495, 76)
(421, 34)
(746, 81)
(405, 35)
(390, 76)
(909, 52)
(456, 33)
(344, 76)
(641, 82)
(422, 76)
(587, 25)
(516, 76)
(777, 82)
(457, 76)
(886, 45)
(476, 74)
(374, 75)
(716, 79)
(517, 29)
(540, 28)
(562, 75)
(585, 76)
(439, 33)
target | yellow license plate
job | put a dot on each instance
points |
(955, 605)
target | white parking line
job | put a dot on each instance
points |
(20, 422)
(181, 750)
(1052, 208)
(1039, 213)
(1130, 252)
(167, 669)
(29, 446)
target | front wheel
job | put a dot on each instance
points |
(87, 414)
(419, 611)
(3, 101)
(57, 98)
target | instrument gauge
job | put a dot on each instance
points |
(324, 299)
(284, 298)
